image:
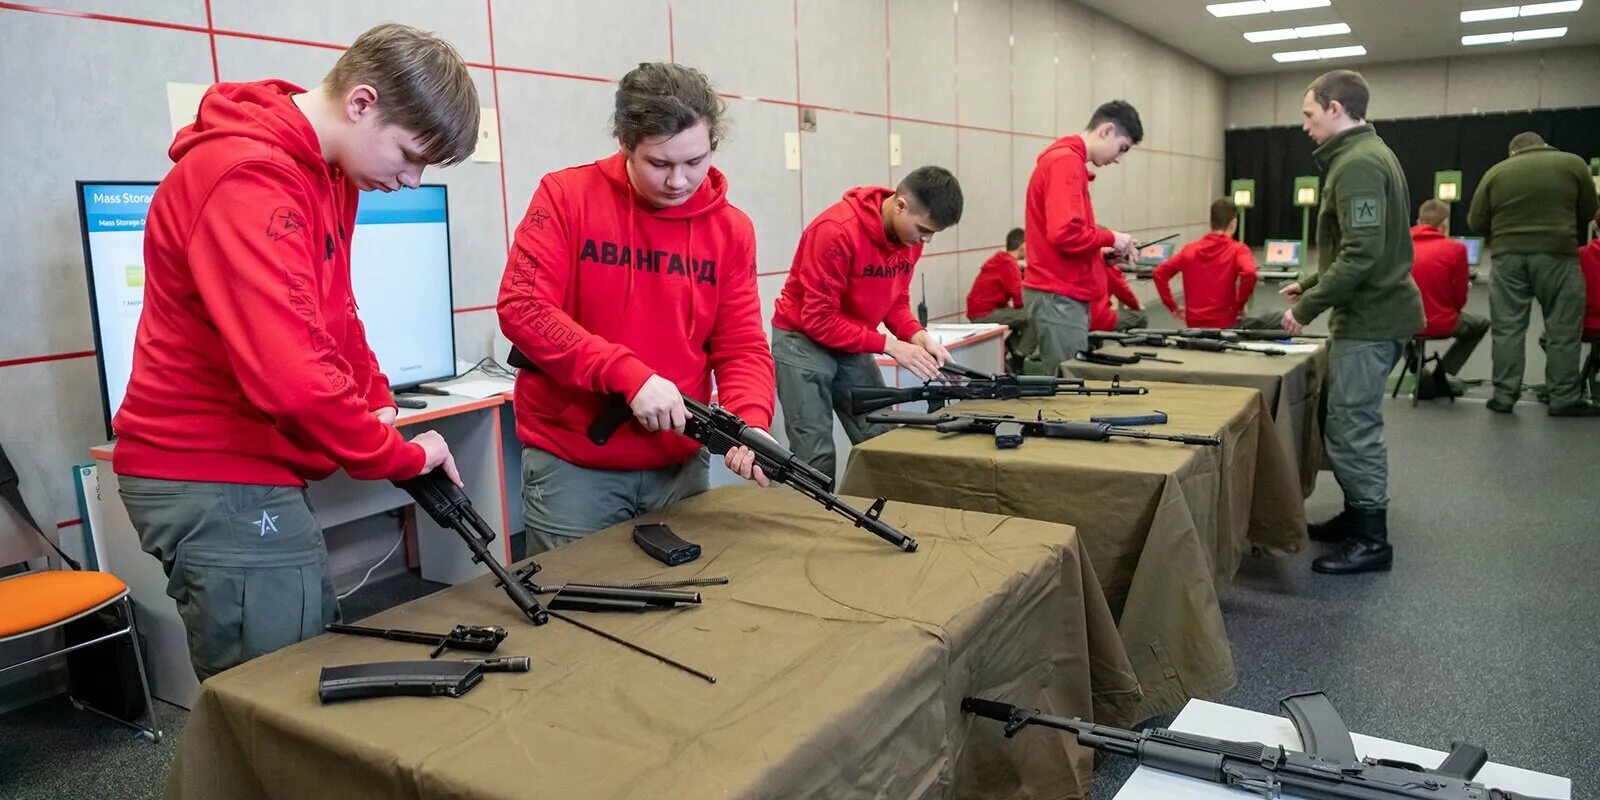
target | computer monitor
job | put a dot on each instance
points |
(1151, 255)
(1284, 253)
(399, 268)
(1474, 248)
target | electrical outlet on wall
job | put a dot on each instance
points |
(894, 149)
(488, 149)
(791, 150)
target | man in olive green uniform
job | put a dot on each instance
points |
(1533, 208)
(1364, 277)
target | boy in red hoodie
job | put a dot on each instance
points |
(996, 296)
(251, 371)
(851, 273)
(1066, 268)
(1218, 274)
(1439, 267)
(1103, 317)
(633, 276)
(1589, 257)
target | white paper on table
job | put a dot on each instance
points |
(949, 334)
(1292, 348)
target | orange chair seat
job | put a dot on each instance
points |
(38, 600)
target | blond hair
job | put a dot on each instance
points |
(422, 85)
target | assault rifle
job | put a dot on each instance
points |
(1009, 432)
(1328, 769)
(978, 386)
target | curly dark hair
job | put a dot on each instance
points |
(658, 99)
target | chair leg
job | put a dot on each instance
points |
(1405, 367)
(1421, 362)
(151, 732)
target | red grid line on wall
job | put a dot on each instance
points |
(212, 32)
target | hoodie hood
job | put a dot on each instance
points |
(263, 111)
(1423, 231)
(1073, 144)
(867, 203)
(711, 196)
(1213, 246)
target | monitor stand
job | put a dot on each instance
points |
(413, 397)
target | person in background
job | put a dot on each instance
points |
(1589, 259)
(1439, 268)
(1218, 272)
(996, 297)
(251, 370)
(1102, 316)
(852, 272)
(1364, 278)
(1532, 208)
(632, 280)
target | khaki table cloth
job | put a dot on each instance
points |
(1292, 386)
(840, 663)
(1165, 524)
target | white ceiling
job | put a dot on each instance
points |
(1391, 30)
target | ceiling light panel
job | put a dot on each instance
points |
(1318, 55)
(1248, 7)
(1527, 10)
(1513, 36)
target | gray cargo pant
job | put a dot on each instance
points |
(1020, 341)
(1556, 281)
(1358, 370)
(1469, 330)
(247, 564)
(1060, 323)
(563, 502)
(813, 383)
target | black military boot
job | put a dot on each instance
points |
(1334, 530)
(1366, 550)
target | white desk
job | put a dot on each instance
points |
(473, 429)
(1225, 722)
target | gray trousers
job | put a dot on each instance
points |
(1357, 372)
(247, 564)
(1468, 332)
(1061, 324)
(814, 383)
(1556, 281)
(563, 502)
(1021, 341)
(1130, 318)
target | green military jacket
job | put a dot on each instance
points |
(1537, 201)
(1363, 243)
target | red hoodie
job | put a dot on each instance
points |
(999, 283)
(602, 291)
(1102, 317)
(1439, 266)
(1589, 256)
(1218, 276)
(250, 365)
(1063, 241)
(847, 277)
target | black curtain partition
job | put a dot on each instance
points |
(1472, 144)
